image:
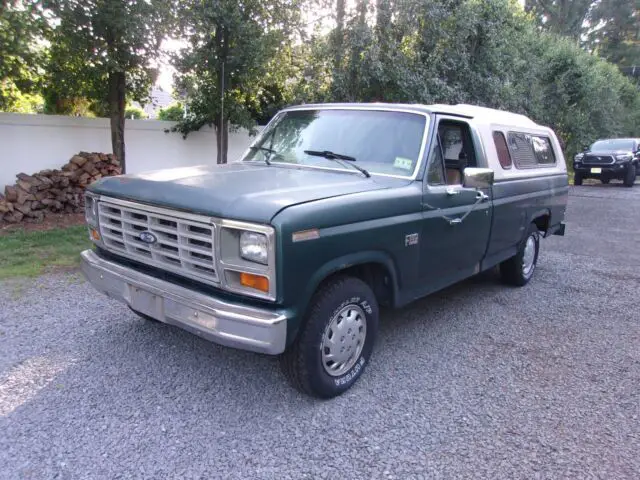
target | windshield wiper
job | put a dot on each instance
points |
(337, 156)
(271, 151)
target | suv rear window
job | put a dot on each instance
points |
(530, 151)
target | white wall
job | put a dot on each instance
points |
(30, 143)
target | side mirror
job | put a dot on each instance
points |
(477, 177)
(585, 149)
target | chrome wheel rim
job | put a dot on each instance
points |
(529, 255)
(343, 340)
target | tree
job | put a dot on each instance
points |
(21, 57)
(231, 59)
(103, 50)
(134, 112)
(564, 17)
(617, 33)
(487, 53)
(172, 113)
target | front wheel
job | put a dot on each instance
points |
(577, 179)
(519, 269)
(336, 340)
(630, 177)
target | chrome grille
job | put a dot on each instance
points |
(598, 159)
(175, 244)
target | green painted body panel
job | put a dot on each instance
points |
(368, 227)
(451, 252)
(516, 203)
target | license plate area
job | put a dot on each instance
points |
(145, 302)
(596, 170)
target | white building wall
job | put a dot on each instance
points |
(30, 143)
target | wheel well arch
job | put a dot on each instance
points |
(377, 275)
(541, 219)
(376, 269)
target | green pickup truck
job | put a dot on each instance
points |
(333, 212)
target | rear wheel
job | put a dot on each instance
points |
(630, 177)
(577, 179)
(519, 269)
(336, 341)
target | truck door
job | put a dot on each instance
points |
(456, 220)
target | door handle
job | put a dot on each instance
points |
(482, 197)
(452, 191)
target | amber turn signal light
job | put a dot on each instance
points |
(255, 281)
(95, 236)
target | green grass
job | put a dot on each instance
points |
(29, 254)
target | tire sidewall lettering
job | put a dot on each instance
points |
(351, 374)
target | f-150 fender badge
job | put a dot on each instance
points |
(411, 239)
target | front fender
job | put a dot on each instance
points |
(335, 266)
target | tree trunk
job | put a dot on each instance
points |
(222, 140)
(117, 93)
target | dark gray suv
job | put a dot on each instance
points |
(608, 159)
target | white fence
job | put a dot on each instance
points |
(30, 143)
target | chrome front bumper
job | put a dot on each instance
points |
(229, 324)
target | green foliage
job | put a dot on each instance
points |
(617, 37)
(569, 18)
(172, 113)
(95, 38)
(135, 112)
(486, 53)
(101, 50)
(21, 26)
(57, 104)
(238, 44)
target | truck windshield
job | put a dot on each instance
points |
(613, 145)
(382, 142)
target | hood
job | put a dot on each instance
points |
(249, 192)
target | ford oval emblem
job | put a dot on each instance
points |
(148, 237)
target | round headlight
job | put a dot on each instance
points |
(253, 247)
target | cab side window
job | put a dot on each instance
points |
(453, 151)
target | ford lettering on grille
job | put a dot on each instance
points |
(160, 238)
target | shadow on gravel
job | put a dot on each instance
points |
(432, 307)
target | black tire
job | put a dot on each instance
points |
(303, 362)
(605, 180)
(144, 316)
(577, 179)
(630, 177)
(512, 270)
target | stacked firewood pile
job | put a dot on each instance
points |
(60, 191)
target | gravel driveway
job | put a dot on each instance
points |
(479, 381)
